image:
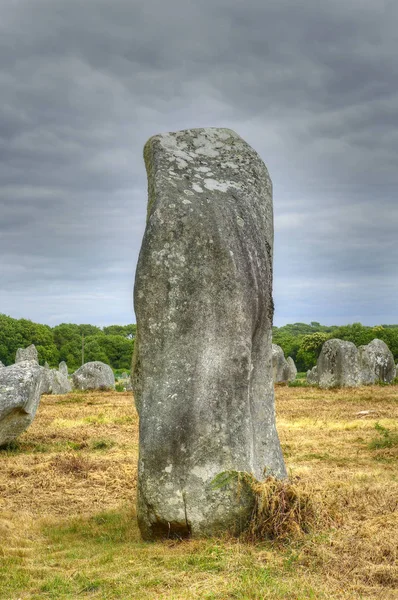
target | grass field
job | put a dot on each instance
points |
(67, 494)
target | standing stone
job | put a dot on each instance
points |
(46, 365)
(376, 363)
(280, 368)
(367, 375)
(292, 369)
(312, 376)
(341, 364)
(1, 364)
(57, 383)
(29, 353)
(63, 368)
(202, 368)
(21, 386)
(338, 364)
(94, 376)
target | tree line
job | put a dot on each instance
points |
(304, 342)
(114, 344)
(72, 343)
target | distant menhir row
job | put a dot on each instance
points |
(342, 364)
(22, 384)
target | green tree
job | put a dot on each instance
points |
(68, 340)
(9, 339)
(119, 350)
(310, 348)
(356, 333)
(94, 351)
(289, 343)
(127, 331)
(88, 330)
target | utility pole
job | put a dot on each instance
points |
(82, 349)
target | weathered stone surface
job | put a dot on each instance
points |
(376, 363)
(21, 386)
(1, 364)
(280, 368)
(367, 375)
(292, 369)
(94, 376)
(29, 353)
(57, 383)
(46, 365)
(338, 365)
(63, 368)
(202, 369)
(312, 376)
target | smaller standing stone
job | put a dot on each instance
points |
(94, 376)
(312, 376)
(29, 353)
(56, 383)
(292, 369)
(46, 365)
(63, 368)
(376, 362)
(367, 374)
(21, 386)
(60, 384)
(280, 368)
(338, 364)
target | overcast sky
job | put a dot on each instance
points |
(312, 85)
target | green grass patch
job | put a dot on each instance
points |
(101, 444)
(99, 419)
(298, 383)
(110, 527)
(385, 439)
(72, 399)
(21, 447)
(11, 448)
(301, 375)
(317, 456)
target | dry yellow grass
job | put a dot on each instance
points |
(67, 493)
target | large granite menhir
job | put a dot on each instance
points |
(202, 370)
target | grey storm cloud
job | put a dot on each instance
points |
(312, 86)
